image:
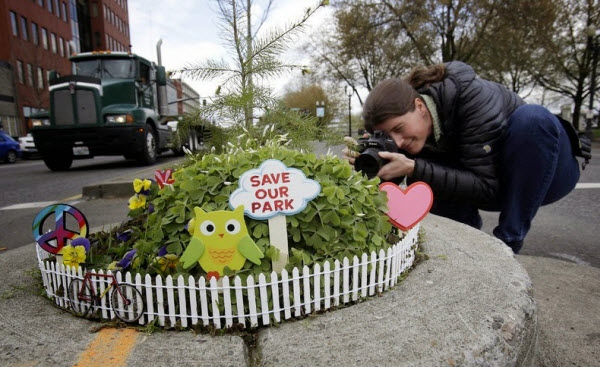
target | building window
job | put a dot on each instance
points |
(53, 42)
(13, 23)
(40, 78)
(94, 10)
(20, 71)
(41, 3)
(61, 50)
(64, 12)
(24, 32)
(45, 38)
(30, 75)
(57, 8)
(49, 3)
(34, 34)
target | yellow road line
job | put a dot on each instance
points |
(111, 347)
(71, 198)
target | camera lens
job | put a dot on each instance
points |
(369, 162)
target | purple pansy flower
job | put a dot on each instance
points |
(127, 259)
(150, 209)
(125, 236)
(81, 241)
(162, 251)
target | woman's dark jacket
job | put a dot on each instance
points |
(473, 116)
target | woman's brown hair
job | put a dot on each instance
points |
(395, 97)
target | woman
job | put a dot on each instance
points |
(477, 144)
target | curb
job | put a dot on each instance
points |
(121, 187)
(107, 190)
(470, 304)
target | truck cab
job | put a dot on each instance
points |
(108, 106)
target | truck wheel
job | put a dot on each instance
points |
(11, 156)
(150, 149)
(58, 161)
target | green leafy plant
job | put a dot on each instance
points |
(346, 219)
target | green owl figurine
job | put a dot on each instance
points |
(220, 239)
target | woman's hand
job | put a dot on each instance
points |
(399, 165)
(349, 153)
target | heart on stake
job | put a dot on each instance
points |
(164, 178)
(407, 207)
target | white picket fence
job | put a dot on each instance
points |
(186, 302)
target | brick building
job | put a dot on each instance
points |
(37, 36)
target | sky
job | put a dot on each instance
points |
(189, 30)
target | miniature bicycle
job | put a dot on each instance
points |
(125, 300)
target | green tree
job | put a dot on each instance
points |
(304, 98)
(362, 47)
(516, 42)
(376, 39)
(255, 57)
(569, 57)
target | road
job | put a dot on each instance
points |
(26, 185)
(565, 230)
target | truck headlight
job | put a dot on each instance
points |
(119, 119)
(40, 122)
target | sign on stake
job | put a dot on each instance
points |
(271, 192)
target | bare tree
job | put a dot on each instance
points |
(569, 57)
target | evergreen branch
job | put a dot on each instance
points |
(275, 42)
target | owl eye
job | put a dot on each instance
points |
(207, 228)
(233, 226)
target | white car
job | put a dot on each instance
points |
(28, 146)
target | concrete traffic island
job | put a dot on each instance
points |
(471, 303)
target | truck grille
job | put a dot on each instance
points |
(86, 107)
(63, 108)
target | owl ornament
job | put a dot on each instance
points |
(219, 239)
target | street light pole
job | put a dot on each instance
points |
(349, 94)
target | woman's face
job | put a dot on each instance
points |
(411, 130)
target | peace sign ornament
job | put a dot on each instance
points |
(61, 234)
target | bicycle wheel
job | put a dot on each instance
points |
(127, 302)
(81, 297)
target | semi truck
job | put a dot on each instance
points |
(114, 103)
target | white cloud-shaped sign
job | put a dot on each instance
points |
(273, 189)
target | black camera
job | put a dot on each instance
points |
(369, 162)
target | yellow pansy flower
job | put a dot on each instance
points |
(139, 185)
(73, 256)
(137, 201)
(169, 261)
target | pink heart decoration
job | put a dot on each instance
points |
(407, 207)
(163, 178)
